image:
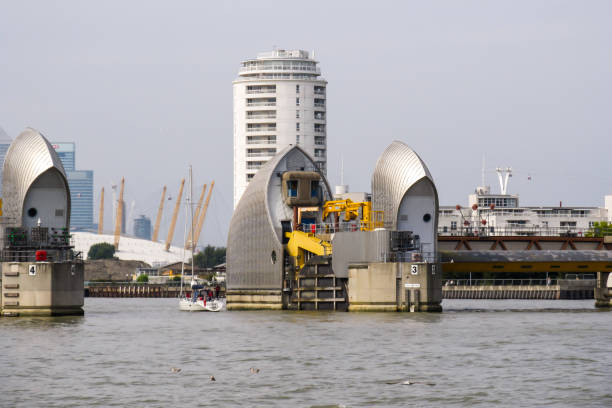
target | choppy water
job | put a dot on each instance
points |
(477, 353)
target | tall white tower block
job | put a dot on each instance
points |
(279, 100)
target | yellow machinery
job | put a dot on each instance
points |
(369, 220)
(300, 241)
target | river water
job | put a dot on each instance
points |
(477, 353)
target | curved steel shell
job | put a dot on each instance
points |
(28, 157)
(254, 245)
(398, 169)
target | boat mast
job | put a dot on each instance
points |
(191, 244)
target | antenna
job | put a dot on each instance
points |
(341, 170)
(482, 183)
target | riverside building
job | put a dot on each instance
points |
(279, 100)
(489, 214)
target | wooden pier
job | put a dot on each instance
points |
(132, 290)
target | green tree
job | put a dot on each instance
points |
(102, 250)
(209, 257)
(599, 229)
(142, 278)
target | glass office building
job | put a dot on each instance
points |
(81, 183)
(142, 227)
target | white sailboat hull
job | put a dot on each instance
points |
(200, 306)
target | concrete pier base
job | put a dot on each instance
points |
(42, 288)
(249, 299)
(603, 290)
(395, 286)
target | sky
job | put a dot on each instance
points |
(144, 88)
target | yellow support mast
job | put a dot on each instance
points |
(177, 206)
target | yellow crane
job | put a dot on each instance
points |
(177, 206)
(101, 215)
(195, 216)
(159, 215)
(368, 219)
(119, 215)
(202, 214)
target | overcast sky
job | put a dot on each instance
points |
(144, 88)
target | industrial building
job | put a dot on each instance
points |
(279, 100)
(291, 245)
(41, 274)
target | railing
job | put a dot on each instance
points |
(262, 141)
(261, 117)
(516, 231)
(280, 68)
(319, 105)
(509, 282)
(261, 154)
(29, 255)
(259, 91)
(261, 104)
(262, 129)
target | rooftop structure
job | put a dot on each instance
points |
(279, 100)
(489, 214)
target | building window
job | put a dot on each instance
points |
(297, 139)
(453, 225)
(292, 186)
(297, 89)
(591, 224)
(297, 126)
(297, 101)
(319, 115)
(319, 140)
(297, 114)
(318, 127)
(314, 188)
(249, 177)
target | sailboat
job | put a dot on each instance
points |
(198, 301)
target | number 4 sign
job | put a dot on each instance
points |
(32, 270)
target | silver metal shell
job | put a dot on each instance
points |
(29, 156)
(398, 169)
(254, 246)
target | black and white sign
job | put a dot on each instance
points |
(32, 270)
(414, 269)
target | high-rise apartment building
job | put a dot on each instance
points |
(81, 183)
(279, 100)
(5, 142)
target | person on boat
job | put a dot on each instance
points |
(217, 290)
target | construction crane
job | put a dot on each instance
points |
(101, 215)
(159, 215)
(119, 215)
(174, 215)
(198, 229)
(368, 219)
(195, 217)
